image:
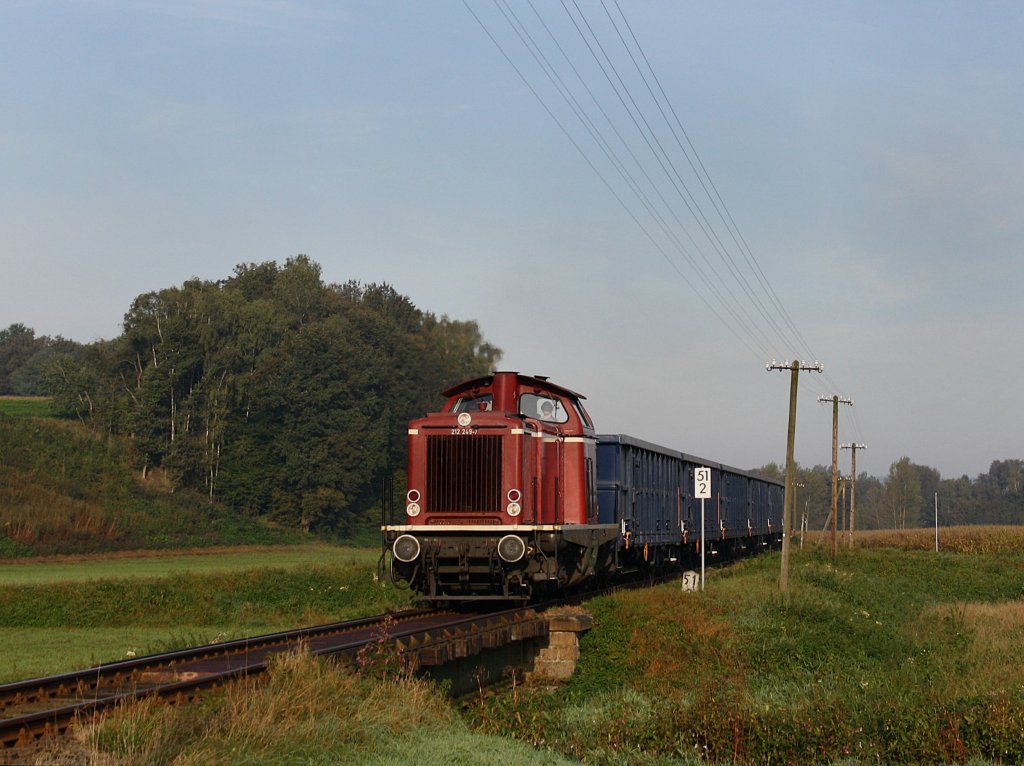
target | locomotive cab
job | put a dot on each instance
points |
(502, 499)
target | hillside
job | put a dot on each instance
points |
(64, 489)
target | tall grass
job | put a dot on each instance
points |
(305, 711)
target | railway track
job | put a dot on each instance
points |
(42, 707)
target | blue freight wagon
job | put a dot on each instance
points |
(648, 491)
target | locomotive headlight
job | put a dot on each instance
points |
(406, 548)
(413, 509)
(513, 509)
(511, 548)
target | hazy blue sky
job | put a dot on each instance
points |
(871, 155)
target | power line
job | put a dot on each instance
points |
(602, 114)
(703, 221)
(661, 156)
(726, 305)
(719, 205)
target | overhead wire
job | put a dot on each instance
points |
(644, 198)
(749, 293)
(526, 39)
(672, 172)
(700, 172)
(611, 189)
(653, 143)
(600, 55)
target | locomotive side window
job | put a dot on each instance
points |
(546, 408)
(481, 403)
(584, 417)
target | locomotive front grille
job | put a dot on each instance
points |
(464, 474)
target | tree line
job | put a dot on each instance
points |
(286, 398)
(270, 391)
(907, 496)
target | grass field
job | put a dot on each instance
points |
(35, 652)
(876, 656)
(56, 569)
(25, 406)
(64, 614)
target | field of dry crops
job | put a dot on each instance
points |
(974, 539)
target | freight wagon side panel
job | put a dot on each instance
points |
(733, 505)
(640, 487)
(648, 491)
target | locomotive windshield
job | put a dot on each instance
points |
(481, 403)
(546, 408)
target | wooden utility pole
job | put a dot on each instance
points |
(835, 399)
(790, 500)
(853, 485)
(842, 504)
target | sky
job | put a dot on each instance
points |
(723, 185)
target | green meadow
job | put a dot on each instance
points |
(164, 563)
(25, 406)
(64, 614)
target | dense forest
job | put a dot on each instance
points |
(273, 393)
(286, 399)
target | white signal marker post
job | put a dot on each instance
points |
(702, 489)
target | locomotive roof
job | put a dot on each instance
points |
(537, 381)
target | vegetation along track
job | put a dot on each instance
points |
(48, 706)
(41, 707)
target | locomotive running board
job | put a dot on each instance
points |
(584, 534)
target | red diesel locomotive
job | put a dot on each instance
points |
(512, 494)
